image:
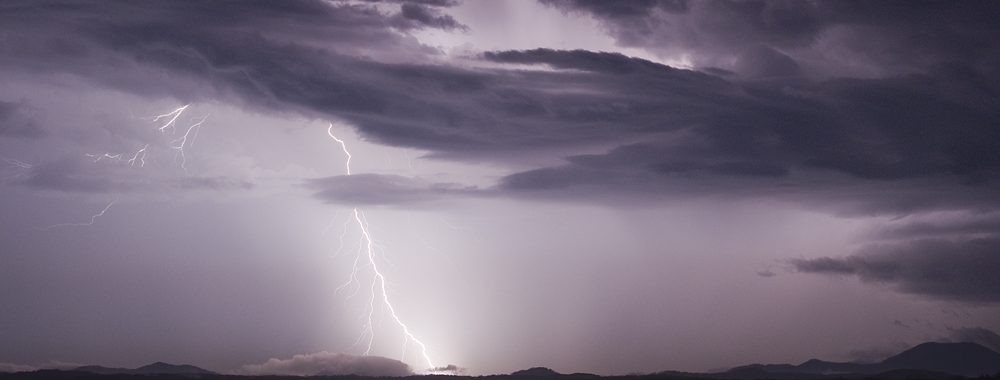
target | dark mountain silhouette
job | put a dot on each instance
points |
(957, 358)
(102, 370)
(158, 368)
(535, 372)
(968, 359)
(927, 361)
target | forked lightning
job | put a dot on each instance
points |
(378, 286)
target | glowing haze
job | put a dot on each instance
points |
(335, 187)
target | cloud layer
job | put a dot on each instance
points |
(826, 39)
(946, 269)
(329, 364)
(663, 130)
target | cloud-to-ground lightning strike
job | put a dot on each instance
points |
(378, 280)
(93, 219)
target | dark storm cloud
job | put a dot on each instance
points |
(378, 189)
(621, 10)
(794, 139)
(415, 16)
(670, 131)
(598, 62)
(831, 37)
(952, 270)
(16, 121)
(266, 61)
(914, 126)
(765, 62)
(430, 3)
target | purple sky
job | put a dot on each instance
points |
(591, 186)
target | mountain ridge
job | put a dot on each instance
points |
(157, 368)
(966, 359)
(930, 360)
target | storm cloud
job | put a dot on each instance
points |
(329, 364)
(376, 189)
(827, 38)
(662, 127)
(16, 121)
(952, 270)
(636, 147)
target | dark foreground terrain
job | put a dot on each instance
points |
(891, 375)
(931, 361)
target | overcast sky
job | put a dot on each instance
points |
(591, 186)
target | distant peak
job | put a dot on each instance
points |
(535, 372)
(167, 368)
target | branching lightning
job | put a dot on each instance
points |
(93, 219)
(180, 143)
(379, 292)
(172, 118)
(138, 157)
(105, 156)
(17, 163)
(19, 167)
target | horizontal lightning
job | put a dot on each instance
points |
(93, 219)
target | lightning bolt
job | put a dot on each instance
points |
(180, 143)
(19, 167)
(139, 156)
(343, 146)
(378, 286)
(93, 219)
(172, 116)
(106, 156)
(17, 163)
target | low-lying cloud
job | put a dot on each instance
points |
(11, 367)
(327, 363)
(964, 270)
(380, 189)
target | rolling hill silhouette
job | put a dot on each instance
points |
(158, 368)
(967, 359)
(928, 361)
